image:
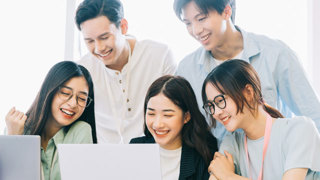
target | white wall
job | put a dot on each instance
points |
(32, 36)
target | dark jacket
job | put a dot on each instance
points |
(192, 166)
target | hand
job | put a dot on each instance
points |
(15, 121)
(212, 177)
(222, 166)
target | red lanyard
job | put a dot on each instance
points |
(267, 133)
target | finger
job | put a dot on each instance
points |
(20, 116)
(16, 114)
(11, 111)
(24, 118)
(229, 156)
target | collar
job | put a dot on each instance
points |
(250, 48)
(187, 164)
(250, 45)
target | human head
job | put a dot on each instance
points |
(231, 78)
(58, 75)
(104, 30)
(195, 132)
(205, 6)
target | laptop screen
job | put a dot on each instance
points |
(19, 157)
(109, 161)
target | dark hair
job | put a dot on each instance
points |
(205, 6)
(90, 9)
(196, 133)
(230, 78)
(40, 110)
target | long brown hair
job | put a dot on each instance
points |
(230, 78)
(41, 108)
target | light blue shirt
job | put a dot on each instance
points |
(283, 80)
(294, 143)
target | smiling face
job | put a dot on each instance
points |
(104, 40)
(63, 111)
(227, 116)
(209, 29)
(165, 121)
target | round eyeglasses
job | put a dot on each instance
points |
(219, 101)
(66, 93)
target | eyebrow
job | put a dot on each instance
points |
(101, 35)
(195, 17)
(82, 92)
(165, 110)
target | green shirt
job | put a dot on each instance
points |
(79, 133)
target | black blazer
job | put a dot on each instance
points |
(192, 166)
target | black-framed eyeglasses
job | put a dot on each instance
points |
(66, 93)
(219, 101)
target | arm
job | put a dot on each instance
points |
(222, 167)
(295, 174)
(15, 121)
(294, 87)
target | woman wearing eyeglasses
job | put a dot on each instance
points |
(174, 121)
(267, 146)
(62, 113)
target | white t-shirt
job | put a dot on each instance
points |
(294, 143)
(119, 103)
(238, 56)
(170, 163)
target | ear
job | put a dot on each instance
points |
(186, 117)
(124, 26)
(248, 93)
(227, 12)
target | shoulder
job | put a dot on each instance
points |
(190, 60)
(151, 45)
(301, 123)
(142, 140)
(79, 127)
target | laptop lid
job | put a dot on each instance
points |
(109, 161)
(20, 157)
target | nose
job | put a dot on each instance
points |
(217, 110)
(98, 47)
(72, 101)
(196, 30)
(157, 123)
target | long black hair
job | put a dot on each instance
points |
(230, 78)
(40, 110)
(196, 133)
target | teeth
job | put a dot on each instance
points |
(104, 55)
(225, 119)
(67, 112)
(203, 38)
(161, 132)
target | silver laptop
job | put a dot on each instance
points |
(19, 157)
(109, 161)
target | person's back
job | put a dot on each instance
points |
(122, 69)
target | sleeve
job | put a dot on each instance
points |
(170, 65)
(294, 87)
(230, 145)
(301, 144)
(81, 133)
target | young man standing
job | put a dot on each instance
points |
(284, 83)
(121, 67)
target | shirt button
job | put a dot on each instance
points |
(127, 100)
(120, 81)
(129, 109)
(117, 73)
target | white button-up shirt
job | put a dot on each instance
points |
(119, 96)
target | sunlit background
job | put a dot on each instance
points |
(36, 34)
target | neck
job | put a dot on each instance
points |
(255, 126)
(230, 45)
(124, 56)
(50, 130)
